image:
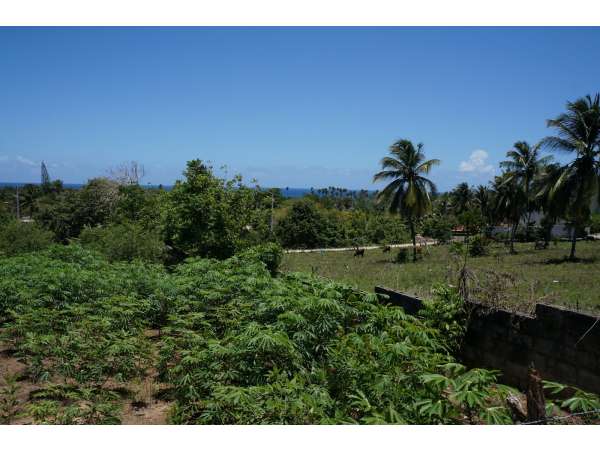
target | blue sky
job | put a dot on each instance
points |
(294, 107)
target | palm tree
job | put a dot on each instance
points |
(524, 164)
(441, 204)
(482, 197)
(409, 192)
(509, 203)
(553, 208)
(578, 132)
(462, 198)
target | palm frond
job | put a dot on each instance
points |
(386, 174)
(426, 166)
(557, 143)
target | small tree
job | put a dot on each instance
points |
(210, 217)
(305, 227)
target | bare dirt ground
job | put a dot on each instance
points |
(141, 400)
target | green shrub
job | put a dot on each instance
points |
(124, 242)
(446, 312)
(246, 348)
(17, 237)
(5, 215)
(385, 228)
(270, 254)
(438, 227)
(68, 312)
(206, 216)
(595, 223)
(306, 226)
(69, 405)
(237, 346)
(66, 212)
(401, 256)
(479, 246)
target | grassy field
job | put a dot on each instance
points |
(513, 281)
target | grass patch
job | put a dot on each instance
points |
(525, 278)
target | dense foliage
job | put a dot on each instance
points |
(207, 216)
(244, 347)
(237, 344)
(17, 237)
(308, 224)
(124, 242)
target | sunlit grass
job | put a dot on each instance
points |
(539, 275)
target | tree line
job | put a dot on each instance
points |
(529, 182)
(204, 215)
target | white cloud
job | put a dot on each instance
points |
(477, 164)
(26, 161)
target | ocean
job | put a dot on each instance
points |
(286, 192)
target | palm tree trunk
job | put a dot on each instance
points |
(527, 234)
(528, 206)
(414, 238)
(513, 231)
(573, 242)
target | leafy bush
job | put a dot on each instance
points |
(472, 221)
(124, 242)
(137, 204)
(17, 237)
(402, 256)
(595, 223)
(210, 217)
(270, 254)
(243, 347)
(306, 227)
(5, 215)
(578, 402)
(479, 246)
(438, 227)
(237, 345)
(446, 312)
(83, 320)
(67, 212)
(69, 405)
(383, 227)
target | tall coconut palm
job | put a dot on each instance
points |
(509, 203)
(578, 133)
(409, 192)
(524, 164)
(482, 197)
(553, 208)
(462, 198)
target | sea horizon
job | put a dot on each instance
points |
(288, 192)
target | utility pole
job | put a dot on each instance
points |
(18, 205)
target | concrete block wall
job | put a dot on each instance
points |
(553, 339)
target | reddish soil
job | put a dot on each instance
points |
(140, 405)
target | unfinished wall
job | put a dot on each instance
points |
(507, 341)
